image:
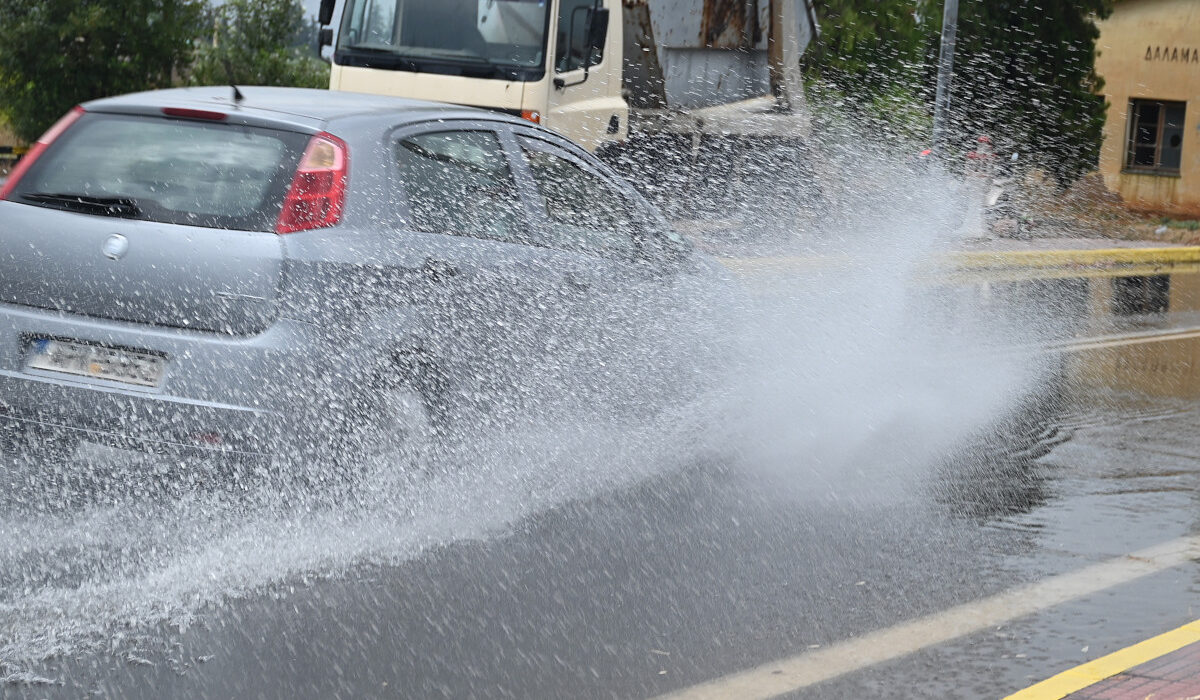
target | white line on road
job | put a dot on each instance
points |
(1114, 341)
(791, 674)
(1103, 342)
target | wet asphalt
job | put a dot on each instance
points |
(713, 569)
(644, 586)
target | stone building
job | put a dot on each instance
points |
(1149, 57)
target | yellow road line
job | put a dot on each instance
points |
(809, 668)
(1093, 672)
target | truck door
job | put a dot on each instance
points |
(585, 102)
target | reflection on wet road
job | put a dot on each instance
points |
(642, 581)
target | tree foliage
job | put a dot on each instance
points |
(1024, 70)
(869, 46)
(259, 42)
(870, 63)
(55, 54)
(1025, 75)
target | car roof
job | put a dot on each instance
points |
(303, 107)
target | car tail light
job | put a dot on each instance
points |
(39, 147)
(318, 190)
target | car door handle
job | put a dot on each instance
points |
(438, 269)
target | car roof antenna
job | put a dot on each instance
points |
(237, 94)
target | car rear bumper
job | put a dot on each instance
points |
(122, 419)
(219, 394)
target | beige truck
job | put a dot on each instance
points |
(697, 86)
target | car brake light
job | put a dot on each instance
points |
(39, 147)
(194, 114)
(318, 190)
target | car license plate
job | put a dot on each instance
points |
(96, 361)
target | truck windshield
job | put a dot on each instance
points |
(503, 39)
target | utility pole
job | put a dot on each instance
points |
(783, 54)
(941, 106)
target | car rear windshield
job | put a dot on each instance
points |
(168, 170)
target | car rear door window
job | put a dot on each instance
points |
(172, 170)
(459, 182)
(585, 211)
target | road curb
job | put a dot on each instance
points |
(1004, 265)
(1085, 258)
(1090, 674)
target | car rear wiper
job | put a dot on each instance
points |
(107, 206)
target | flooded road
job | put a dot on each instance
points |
(643, 573)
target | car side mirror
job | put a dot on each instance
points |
(325, 14)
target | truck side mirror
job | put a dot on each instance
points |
(597, 31)
(324, 38)
(325, 14)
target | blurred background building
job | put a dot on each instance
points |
(1149, 56)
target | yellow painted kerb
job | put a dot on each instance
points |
(1107, 257)
(1093, 672)
(966, 266)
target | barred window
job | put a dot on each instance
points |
(1155, 137)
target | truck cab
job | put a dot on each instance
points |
(554, 62)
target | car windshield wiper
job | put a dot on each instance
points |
(108, 206)
(478, 66)
(374, 49)
(460, 56)
(419, 54)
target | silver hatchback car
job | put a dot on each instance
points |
(281, 269)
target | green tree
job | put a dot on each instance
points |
(871, 62)
(55, 54)
(258, 43)
(1025, 76)
(869, 46)
(1024, 71)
